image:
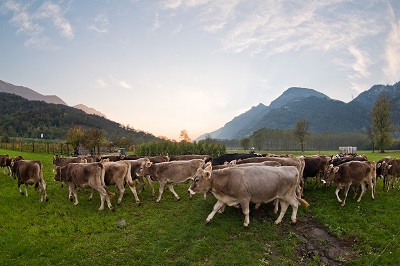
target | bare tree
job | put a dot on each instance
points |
(302, 131)
(381, 123)
(184, 136)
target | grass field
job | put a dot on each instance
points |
(174, 233)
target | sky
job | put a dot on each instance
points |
(163, 66)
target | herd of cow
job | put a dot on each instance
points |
(234, 179)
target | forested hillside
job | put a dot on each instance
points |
(29, 119)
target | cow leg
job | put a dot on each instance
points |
(222, 209)
(121, 193)
(26, 189)
(153, 193)
(141, 181)
(75, 194)
(246, 212)
(218, 205)
(338, 188)
(257, 206)
(132, 186)
(363, 190)
(160, 190)
(171, 188)
(284, 206)
(347, 188)
(276, 206)
(104, 195)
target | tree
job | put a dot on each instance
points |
(302, 131)
(371, 137)
(184, 136)
(245, 143)
(93, 138)
(381, 123)
(74, 137)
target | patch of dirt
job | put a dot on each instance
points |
(318, 245)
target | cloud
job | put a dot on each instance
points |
(100, 24)
(124, 84)
(392, 53)
(101, 83)
(33, 22)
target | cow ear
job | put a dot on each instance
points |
(335, 169)
(378, 165)
(208, 168)
(148, 164)
(390, 166)
(207, 175)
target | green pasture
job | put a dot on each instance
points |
(174, 233)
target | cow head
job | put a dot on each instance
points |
(329, 174)
(201, 180)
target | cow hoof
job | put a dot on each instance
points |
(21, 193)
(245, 225)
(112, 209)
(71, 200)
(208, 221)
(139, 203)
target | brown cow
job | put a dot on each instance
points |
(30, 172)
(352, 173)
(168, 173)
(83, 175)
(315, 166)
(390, 171)
(257, 184)
(3, 160)
(116, 173)
(58, 160)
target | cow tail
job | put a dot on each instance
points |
(299, 190)
(128, 176)
(103, 184)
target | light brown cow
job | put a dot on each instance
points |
(30, 172)
(135, 168)
(84, 175)
(257, 184)
(297, 162)
(168, 173)
(352, 173)
(116, 173)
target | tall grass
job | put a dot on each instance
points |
(174, 233)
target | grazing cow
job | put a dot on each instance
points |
(390, 171)
(168, 173)
(30, 172)
(335, 161)
(230, 157)
(3, 160)
(116, 173)
(257, 184)
(353, 173)
(315, 166)
(58, 160)
(158, 159)
(190, 157)
(83, 175)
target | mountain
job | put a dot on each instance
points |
(35, 96)
(243, 124)
(29, 93)
(88, 110)
(29, 119)
(325, 114)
